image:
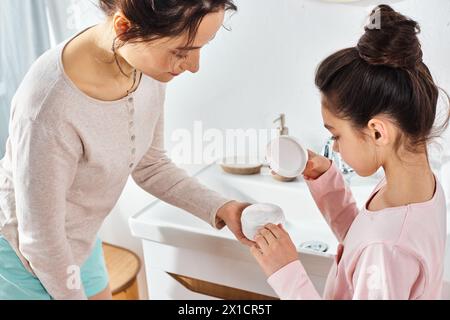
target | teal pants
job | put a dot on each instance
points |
(17, 283)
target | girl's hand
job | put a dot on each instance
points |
(274, 249)
(316, 166)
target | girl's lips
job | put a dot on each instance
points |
(174, 74)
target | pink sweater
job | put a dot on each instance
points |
(394, 253)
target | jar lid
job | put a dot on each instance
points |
(287, 157)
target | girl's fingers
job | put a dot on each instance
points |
(309, 166)
(283, 230)
(261, 242)
(311, 154)
(275, 230)
(268, 235)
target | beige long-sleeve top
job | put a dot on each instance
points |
(68, 158)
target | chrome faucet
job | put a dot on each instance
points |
(282, 129)
(327, 152)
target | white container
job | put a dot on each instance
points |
(256, 216)
(287, 157)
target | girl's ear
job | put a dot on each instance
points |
(378, 131)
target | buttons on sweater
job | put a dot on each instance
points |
(131, 125)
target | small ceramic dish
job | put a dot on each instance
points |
(286, 157)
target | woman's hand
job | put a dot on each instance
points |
(274, 249)
(316, 166)
(231, 214)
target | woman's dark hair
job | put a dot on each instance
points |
(155, 19)
(384, 74)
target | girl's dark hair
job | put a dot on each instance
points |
(156, 19)
(384, 74)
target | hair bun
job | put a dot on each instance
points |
(391, 40)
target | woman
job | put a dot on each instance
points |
(88, 114)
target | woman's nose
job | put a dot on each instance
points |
(192, 64)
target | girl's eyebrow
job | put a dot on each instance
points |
(328, 126)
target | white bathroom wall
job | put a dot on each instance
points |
(265, 66)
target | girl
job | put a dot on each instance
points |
(379, 102)
(88, 115)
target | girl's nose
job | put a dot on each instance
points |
(336, 146)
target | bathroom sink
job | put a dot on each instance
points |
(304, 220)
(169, 233)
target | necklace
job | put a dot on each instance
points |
(113, 48)
(134, 82)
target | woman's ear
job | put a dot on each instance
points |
(120, 23)
(378, 131)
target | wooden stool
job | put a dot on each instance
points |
(123, 267)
